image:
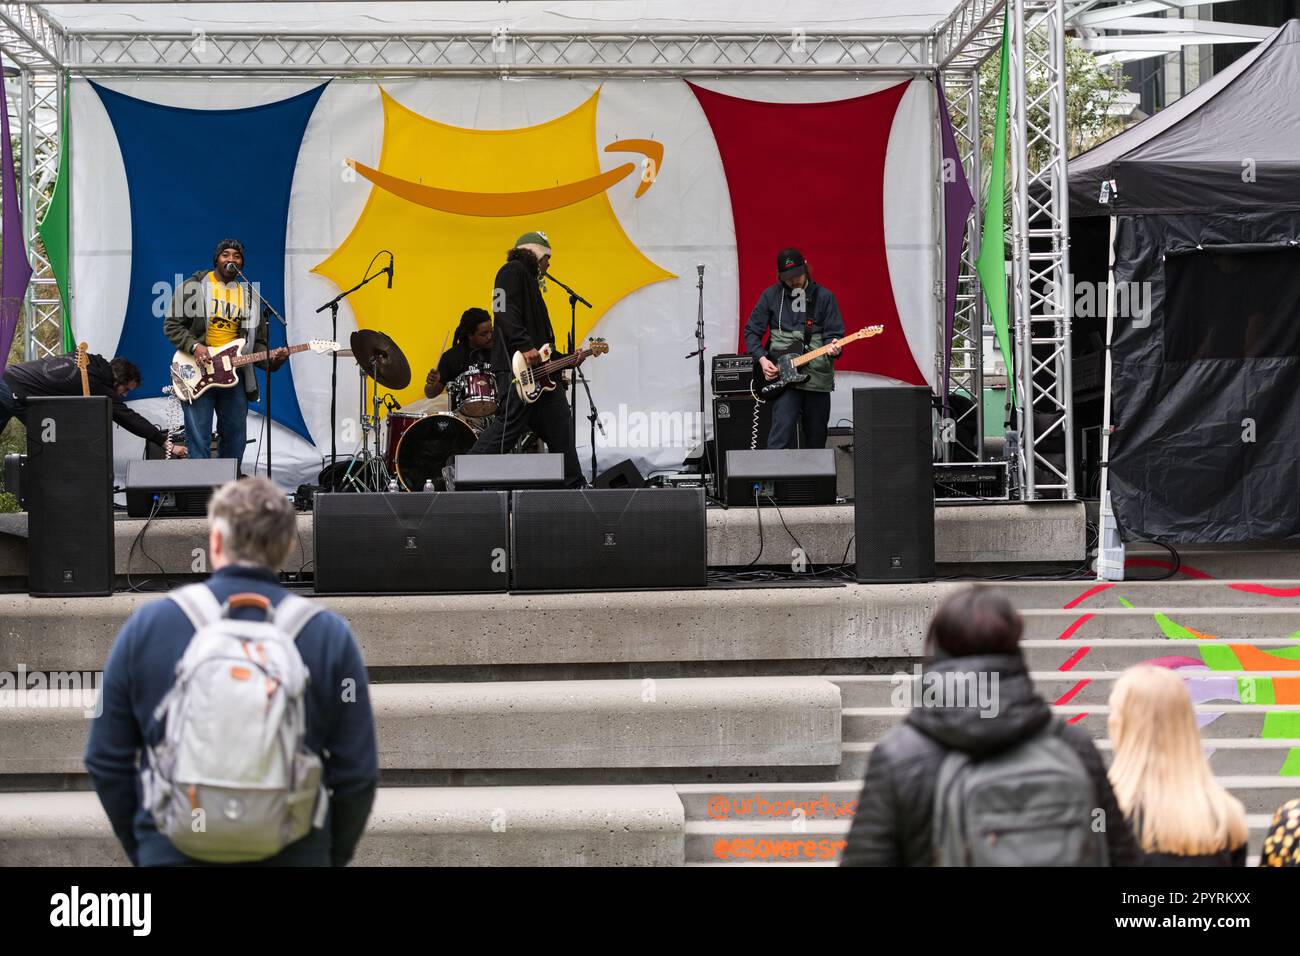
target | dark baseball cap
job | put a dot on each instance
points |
(790, 264)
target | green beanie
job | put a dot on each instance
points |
(534, 239)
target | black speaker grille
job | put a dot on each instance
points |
(609, 539)
(893, 505)
(69, 493)
(411, 542)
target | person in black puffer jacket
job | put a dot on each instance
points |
(975, 630)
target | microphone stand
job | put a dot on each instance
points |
(333, 306)
(269, 348)
(574, 299)
(699, 351)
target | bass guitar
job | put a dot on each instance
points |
(787, 366)
(190, 379)
(532, 380)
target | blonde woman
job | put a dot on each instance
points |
(1179, 814)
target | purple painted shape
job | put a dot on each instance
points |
(15, 270)
(957, 203)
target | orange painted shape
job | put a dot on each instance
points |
(653, 151)
(1253, 659)
(1286, 690)
(495, 204)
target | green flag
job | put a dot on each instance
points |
(992, 263)
(54, 227)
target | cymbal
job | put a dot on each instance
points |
(390, 368)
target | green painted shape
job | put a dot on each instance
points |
(1173, 630)
(1281, 724)
(1126, 603)
(1260, 693)
(1219, 657)
(1291, 766)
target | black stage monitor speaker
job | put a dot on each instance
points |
(893, 501)
(68, 485)
(733, 429)
(411, 543)
(506, 472)
(614, 539)
(182, 486)
(623, 475)
(791, 476)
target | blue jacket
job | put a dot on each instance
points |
(140, 670)
(776, 310)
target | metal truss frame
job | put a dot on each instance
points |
(47, 55)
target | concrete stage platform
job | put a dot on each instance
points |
(976, 539)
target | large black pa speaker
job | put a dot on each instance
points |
(733, 430)
(506, 472)
(786, 476)
(608, 539)
(175, 487)
(68, 486)
(893, 501)
(411, 543)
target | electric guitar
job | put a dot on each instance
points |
(190, 379)
(787, 366)
(83, 363)
(532, 380)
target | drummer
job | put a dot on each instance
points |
(470, 345)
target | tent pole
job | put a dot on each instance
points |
(1110, 549)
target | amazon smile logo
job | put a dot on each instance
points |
(526, 202)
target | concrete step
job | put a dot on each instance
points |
(1255, 560)
(1168, 596)
(1117, 654)
(1080, 685)
(1216, 720)
(685, 722)
(458, 826)
(766, 841)
(1258, 756)
(1238, 624)
(485, 630)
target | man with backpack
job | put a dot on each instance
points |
(241, 711)
(962, 783)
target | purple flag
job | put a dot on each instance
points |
(15, 270)
(957, 203)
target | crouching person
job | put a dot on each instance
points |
(235, 722)
(981, 773)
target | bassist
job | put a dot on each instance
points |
(801, 315)
(523, 324)
(211, 309)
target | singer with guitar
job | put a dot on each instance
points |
(801, 315)
(62, 375)
(522, 327)
(209, 310)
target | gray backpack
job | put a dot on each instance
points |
(1031, 805)
(231, 779)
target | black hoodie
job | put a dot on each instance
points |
(893, 825)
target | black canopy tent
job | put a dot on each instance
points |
(1203, 305)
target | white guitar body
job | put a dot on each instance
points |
(190, 380)
(529, 386)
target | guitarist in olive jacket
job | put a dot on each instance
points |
(802, 316)
(211, 310)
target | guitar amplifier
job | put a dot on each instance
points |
(732, 374)
(733, 429)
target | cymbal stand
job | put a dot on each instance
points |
(367, 470)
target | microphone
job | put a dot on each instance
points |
(390, 270)
(230, 269)
(700, 267)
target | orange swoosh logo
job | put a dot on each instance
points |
(520, 203)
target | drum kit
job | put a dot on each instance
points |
(420, 438)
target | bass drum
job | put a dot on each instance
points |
(427, 446)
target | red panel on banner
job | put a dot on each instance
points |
(811, 175)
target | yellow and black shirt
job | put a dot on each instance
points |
(225, 312)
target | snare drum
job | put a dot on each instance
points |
(474, 392)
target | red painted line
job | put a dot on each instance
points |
(1074, 659)
(1070, 694)
(1069, 631)
(1076, 718)
(1160, 563)
(1266, 590)
(1087, 594)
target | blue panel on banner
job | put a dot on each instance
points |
(196, 177)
